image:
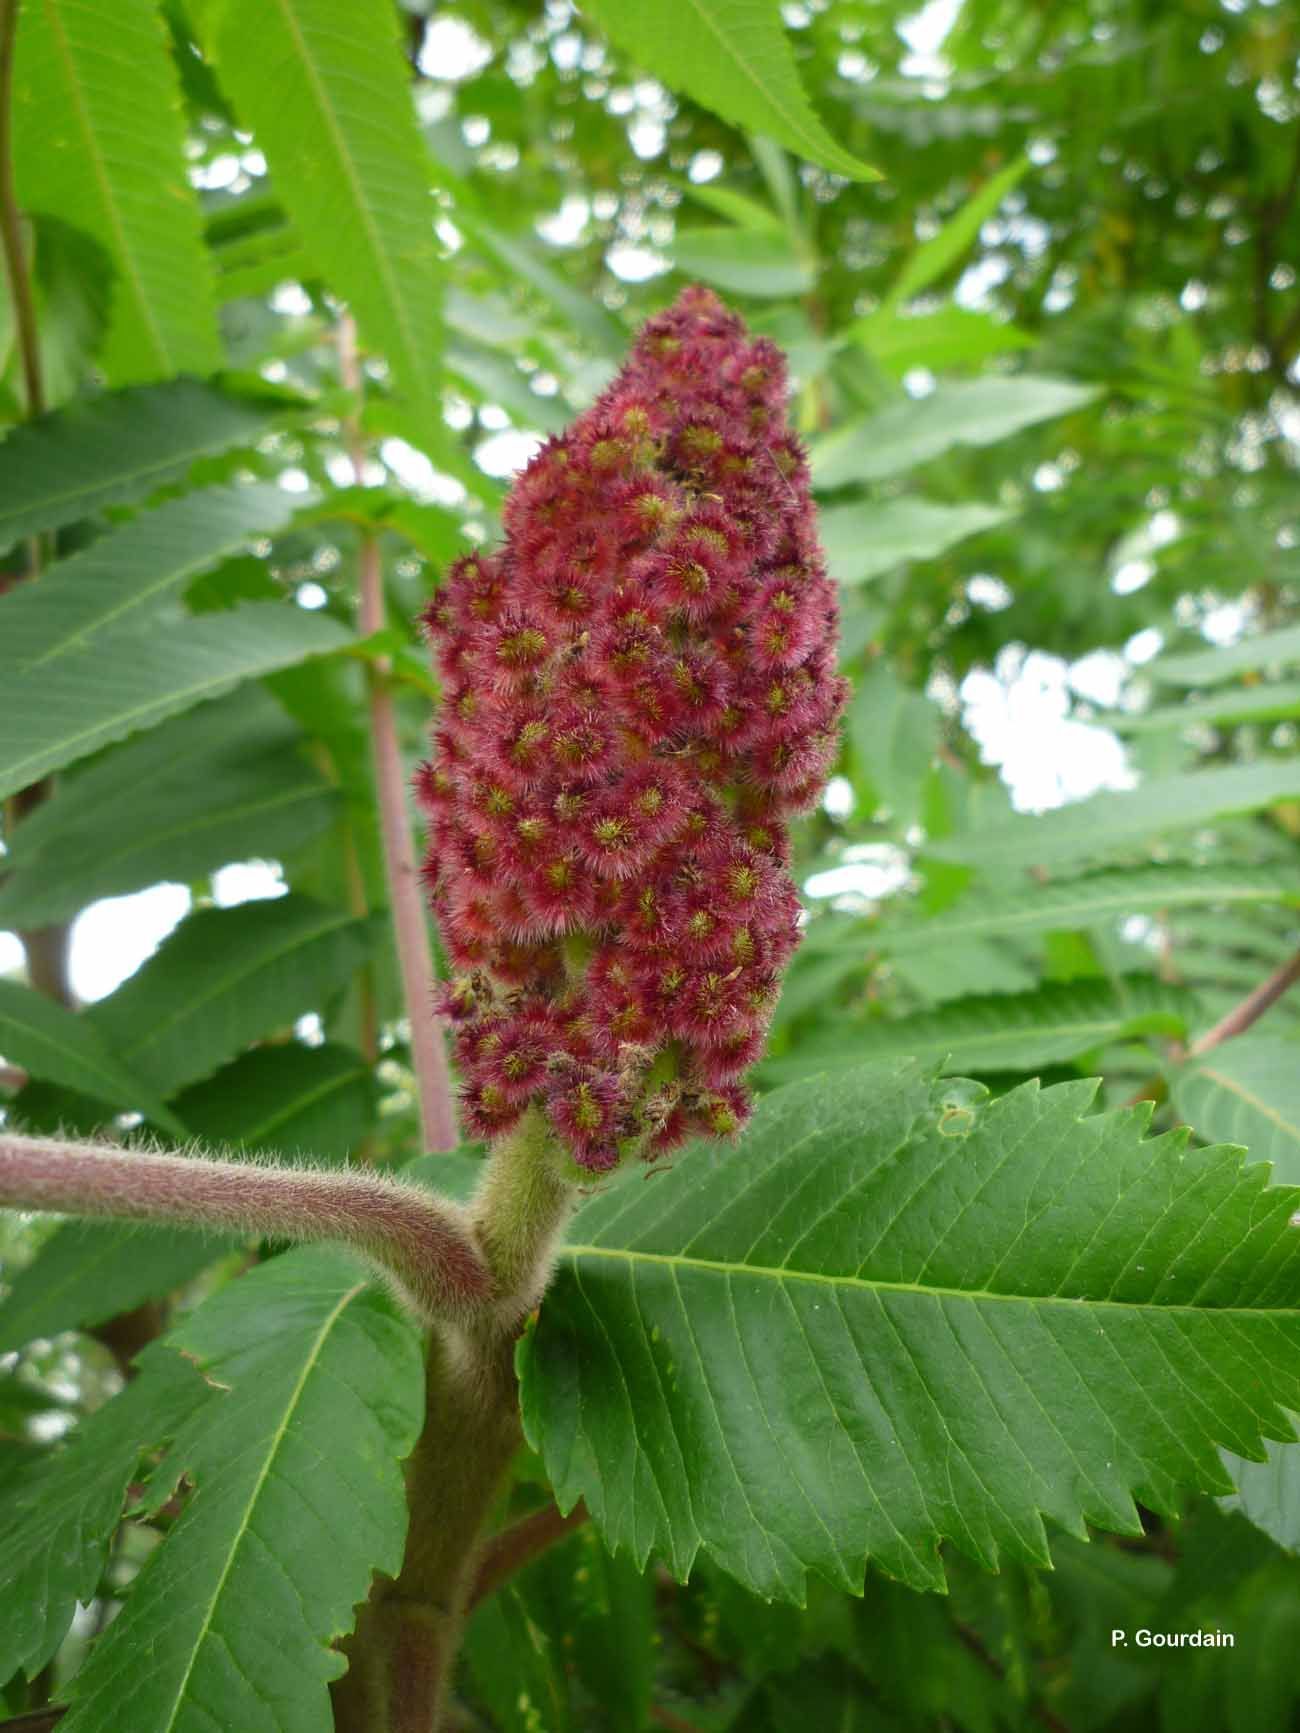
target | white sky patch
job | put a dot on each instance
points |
(252, 881)
(567, 226)
(413, 469)
(869, 872)
(647, 136)
(706, 165)
(452, 50)
(1225, 624)
(112, 938)
(838, 798)
(1022, 723)
(1100, 677)
(1143, 645)
(635, 264)
(291, 299)
(925, 33)
(506, 452)
(978, 281)
(1131, 575)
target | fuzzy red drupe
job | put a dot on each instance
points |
(640, 693)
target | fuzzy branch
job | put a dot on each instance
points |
(428, 1049)
(514, 1547)
(1252, 1007)
(424, 1245)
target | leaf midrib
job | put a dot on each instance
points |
(123, 481)
(1115, 899)
(277, 1439)
(719, 1266)
(242, 973)
(1013, 1034)
(128, 721)
(730, 47)
(300, 1103)
(98, 1065)
(378, 252)
(1234, 1087)
(247, 809)
(125, 256)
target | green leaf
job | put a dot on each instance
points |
(933, 258)
(606, 1608)
(1002, 1031)
(870, 537)
(87, 1272)
(1079, 902)
(129, 574)
(1268, 1493)
(226, 782)
(524, 262)
(99, 141)
(897, 1314)
(1131, 820)
(299, 1498)
(72, 284)
(133, 679)
(971, 412)
(52, 1042)
(515, 1667)
(738, 63)
(121, 446)
(329, 98)
(1234, 704)
(894, 732)
(225, 977)
(61, 1509)
(759, 262)
(318, 1102)
(952, 337)
(1207, 667)
(1246, 1091)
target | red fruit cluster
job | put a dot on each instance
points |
(640, 688)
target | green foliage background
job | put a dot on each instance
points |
(1038, 290)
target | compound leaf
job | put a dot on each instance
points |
(299, 1497)
(741, 66)
(330, 101)
(99, 142)
(61, 1509)
(118, 447)
(897, 1314)
(224, 978)
(1246, 1091)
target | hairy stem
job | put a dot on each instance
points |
(518, 1212)
(516, 1546)
(428, 1046)
(422, 1244)
(1251, 1008)
(402, 1654)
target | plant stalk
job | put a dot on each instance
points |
(401, 1657)
(428, 1046)
(422, 1244)
(514, 1547)
(1251, 1008)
